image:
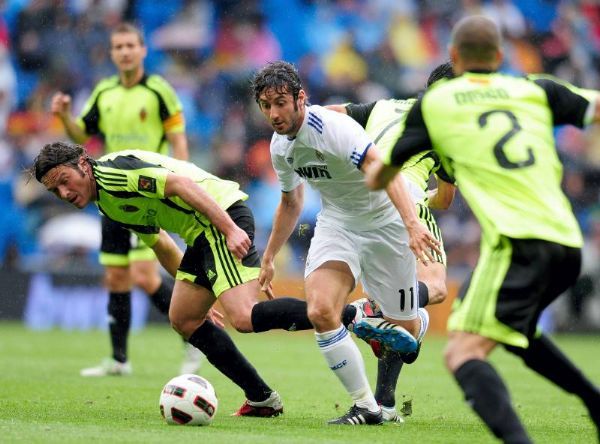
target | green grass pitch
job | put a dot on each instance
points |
(43, 399)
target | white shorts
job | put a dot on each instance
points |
(380, 258)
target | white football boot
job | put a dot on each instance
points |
(390, 414)
(108, 367)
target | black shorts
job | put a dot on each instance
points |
(210, 264)
(514, 281)
(119, 246)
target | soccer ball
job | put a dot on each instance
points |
(188, 400)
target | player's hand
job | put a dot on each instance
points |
(267, 272)
(61, 105)
(269, 292)
(422, 243)
(238, 242)
(216, 317)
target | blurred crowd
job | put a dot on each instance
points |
(345, 50)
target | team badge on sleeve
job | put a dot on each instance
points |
(147, 184)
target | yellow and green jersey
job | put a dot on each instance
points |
(136, 117)
(494, 135)
(384, 122)
(131, 191)
(590, 94)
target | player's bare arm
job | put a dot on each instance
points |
(179, 145)
(441, 197)
(61, 107)
(168, 253)
(185, 188)
(421, 241)
(379, 175)
(284, 223)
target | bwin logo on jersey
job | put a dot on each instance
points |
(339, 365)
(313, 172)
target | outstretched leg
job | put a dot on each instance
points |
(189, 308)
(543, 357)
(247, 315)
(221, 352)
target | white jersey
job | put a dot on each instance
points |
(328, 152)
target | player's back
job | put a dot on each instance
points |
(131, 186)
(495, 135)
(177, 166)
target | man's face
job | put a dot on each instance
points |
(70, 184)
(282, 112)
(126, 51)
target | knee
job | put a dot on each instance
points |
(177, 326)
(322, 317)
(184, 326)
(458, 352)
(450, 355)
(117, 279)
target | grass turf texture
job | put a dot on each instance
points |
(43, 398)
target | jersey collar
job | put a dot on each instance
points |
(303, 126)
(479, 71)
(142, 81)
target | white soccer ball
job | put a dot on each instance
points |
(188, 400)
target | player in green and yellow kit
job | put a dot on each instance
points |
(494, 134)
(132, 109)
(149, 193)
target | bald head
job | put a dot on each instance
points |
(476, 40)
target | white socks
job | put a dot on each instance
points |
(344, 358)
(424, 315)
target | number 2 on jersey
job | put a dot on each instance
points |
(499, 153)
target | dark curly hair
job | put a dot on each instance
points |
(443, 71)
(281, 76)
(55, 154)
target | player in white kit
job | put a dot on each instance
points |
(359, 233)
